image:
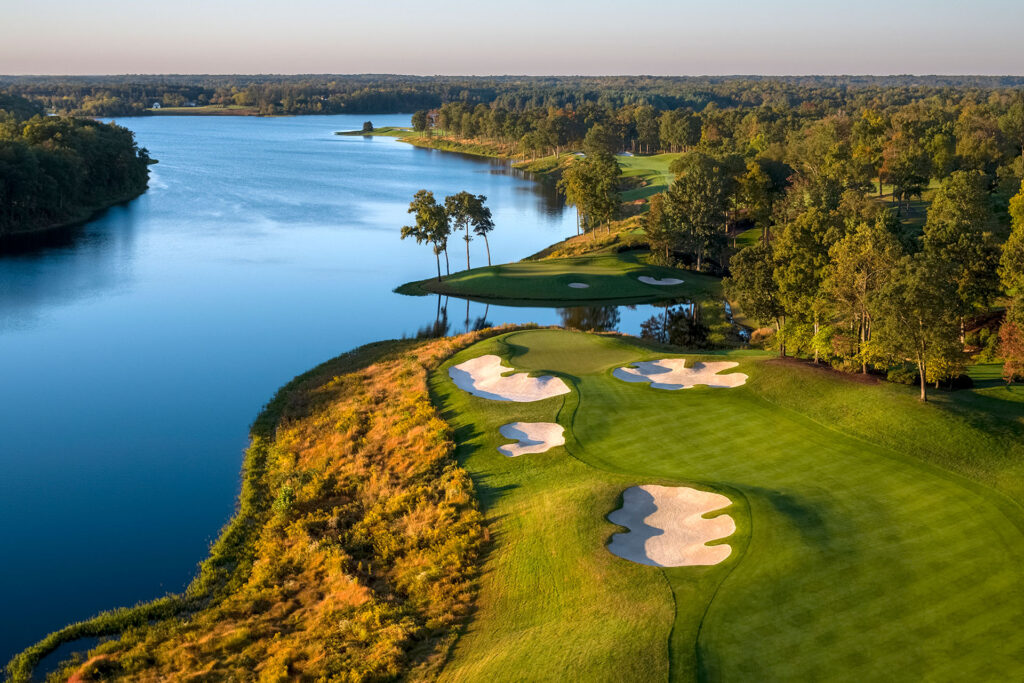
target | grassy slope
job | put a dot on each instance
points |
(344, 578)
(866, 555)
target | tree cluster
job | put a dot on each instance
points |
(843, 283)
(436, 222)
(54, 170)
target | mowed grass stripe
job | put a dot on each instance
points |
(861, 561)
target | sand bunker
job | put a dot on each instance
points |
(532, 437)
(482, 377)
(667, 527)
(579, 285)
(655, 281)
(670, 373)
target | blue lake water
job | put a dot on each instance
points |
(135, 352)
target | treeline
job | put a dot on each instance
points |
(56, 170)
(847, 268)
(372, 93)
(839, 274)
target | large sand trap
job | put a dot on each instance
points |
(667, 527)
(532, 437)
(579, 285)
(655, 281)
(482, 377)
(670, 373)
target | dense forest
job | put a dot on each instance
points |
(57, 170)
(381, 94)
(883, 228)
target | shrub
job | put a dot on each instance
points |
(903, 374)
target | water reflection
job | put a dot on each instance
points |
(540, 189)
(65, 266)
(678, 324)
(591, 318)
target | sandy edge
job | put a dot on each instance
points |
(482, 376)
(531, 437)
(667, 527)
(672, 374)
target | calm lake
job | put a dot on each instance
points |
(135, 352)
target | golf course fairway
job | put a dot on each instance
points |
(876, 537)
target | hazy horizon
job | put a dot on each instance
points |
(513, 75)
(789, 37)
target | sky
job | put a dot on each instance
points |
(537, 37)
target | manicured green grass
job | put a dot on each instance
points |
(206, 110)
(385, 131)
(612, 279)
(652, 170)
(877, 537)
(749, 238)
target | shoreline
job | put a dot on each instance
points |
(545, 168)
(38, 237)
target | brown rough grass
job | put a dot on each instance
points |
(366, 563)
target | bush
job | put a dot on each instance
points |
(903, 374)
(846, 365)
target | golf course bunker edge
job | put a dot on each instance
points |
(664, 282)
(483, 377)
(672, 374)
(531, 437)
(667, 527)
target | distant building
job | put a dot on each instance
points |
(156, 105)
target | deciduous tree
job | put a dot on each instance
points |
(431, 225)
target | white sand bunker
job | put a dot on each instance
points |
(667, 527)
(655, 281)
(532, 437)
(482, 377)
(579, 285)
(671, 373)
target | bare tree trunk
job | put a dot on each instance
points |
(438, 257)
(815, 343)
(860, 347)
(924, 387)
(467, 246)
(782, 342)
(447, 266)
(488, 245)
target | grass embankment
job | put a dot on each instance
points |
(860, 550)
(353, 552)
(206, 110)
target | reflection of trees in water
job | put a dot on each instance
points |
(550, 201)
(482, 322)
(440, 326)
(680, 325)
(596, 318)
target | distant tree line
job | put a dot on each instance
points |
(371, 93)
(58, 169)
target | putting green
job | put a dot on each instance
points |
(851, 560)
(609, 279)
